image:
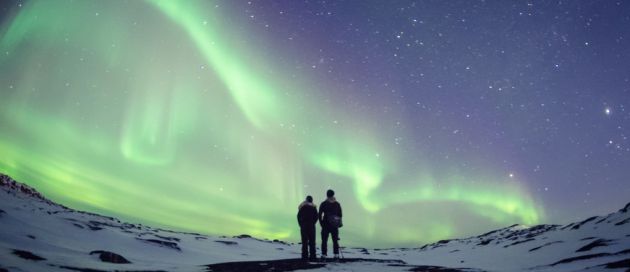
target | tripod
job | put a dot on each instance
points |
(340, 251)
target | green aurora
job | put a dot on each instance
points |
(171, 114)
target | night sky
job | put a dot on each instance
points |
(430, 119)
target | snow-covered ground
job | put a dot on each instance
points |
(39, 235)
(587, 245)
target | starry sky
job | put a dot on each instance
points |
(430, 119)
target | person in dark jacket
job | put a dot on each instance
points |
(307, 217)
(330, 223)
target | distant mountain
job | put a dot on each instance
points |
(37, 234)
(594, 244)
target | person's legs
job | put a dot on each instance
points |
(304, 234)
(325, 233)
(311, 243)
(335, 239)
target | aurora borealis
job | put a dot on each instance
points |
(430, 120)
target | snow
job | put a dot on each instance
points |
(517, 248)
(65, 237)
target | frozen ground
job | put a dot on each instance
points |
(39, 235)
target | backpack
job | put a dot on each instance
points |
(335, 221)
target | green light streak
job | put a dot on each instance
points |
(255, 97)
(126, 123)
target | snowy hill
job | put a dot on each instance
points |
(595, 244)
(37, 234)
(65, 237)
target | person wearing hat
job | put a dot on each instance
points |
(307, 217)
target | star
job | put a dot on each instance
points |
(211, 98)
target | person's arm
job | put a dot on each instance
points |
(299, 217)
(321, 210)
(315, 216)
(339, 209)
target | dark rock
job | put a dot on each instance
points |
(437, 244)
(531, 235)
(27, 255)
(3, 270)
(15, 187)
(579, 258)
(202, 238)
(31, 236)
(78, 225)
(530, 232)
(484, 242)
(587, 238)
(540, 228)
(130, 226)
(626, 208)
(275, 265)
(547, 244)
(625, 263)
(227, 242)
(625, 221)
(243, 236)
(171, 245)
(110, 257)
(279, 242)
(2, 212)
(295, 264)
(580, 224)
(95, 225)
(429, 268)
(168, 238)
(519, 242)
(594, 244)
(80, 269)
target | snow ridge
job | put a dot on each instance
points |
(37, 234)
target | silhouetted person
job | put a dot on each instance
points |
(307, 217)
(330, 223)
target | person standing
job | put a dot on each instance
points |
(330, 223)
(307, 217)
